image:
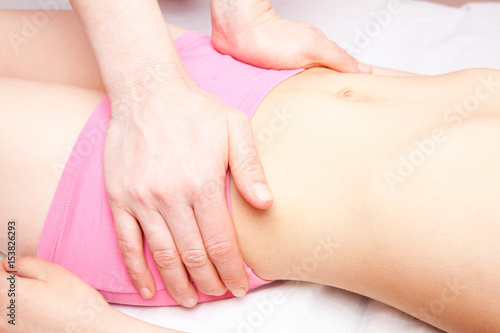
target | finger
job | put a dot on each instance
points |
(167, 259)
(246, 167)
(32, 268)
(129, 235)
(2, 268)
(220, 240)
(333, 56)
(189, 242)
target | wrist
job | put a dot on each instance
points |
(147, 77)
(230, 7)
(149, 85)
(231, 17)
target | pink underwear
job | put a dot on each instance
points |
(79, 232)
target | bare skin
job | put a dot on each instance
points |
(55, 300)
(424, 241)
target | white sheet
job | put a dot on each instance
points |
(425, 38)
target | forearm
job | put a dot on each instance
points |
(131, 41)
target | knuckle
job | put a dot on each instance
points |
(249, 166)
(160, 191)
(166, 258)
(139, 194)
(135, 275)
(232, 280)
(194, 258)
(196, 184)
(128, 249)
(221, 251)
(117, 199)
(163, 198)
(205, 193)
(170, 198)
(113, 195)
(344, 56)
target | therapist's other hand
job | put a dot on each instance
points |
(252, 32)
(165, 162)
(50, 299)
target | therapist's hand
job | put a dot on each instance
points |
(49, 298)
(166, 153)
(165, 166)
(252, 32)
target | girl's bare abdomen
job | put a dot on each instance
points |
(375, 172)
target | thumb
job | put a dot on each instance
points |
(336, 58)
(32, 268)
(244, 162)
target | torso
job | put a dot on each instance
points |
(347, 142)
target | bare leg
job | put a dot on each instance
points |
(39, 125)
(56, 52)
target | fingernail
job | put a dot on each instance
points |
(189, 302)
(239, 292)
(262, 192)
(364, 68)
(146, 293)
